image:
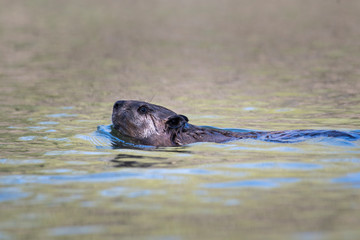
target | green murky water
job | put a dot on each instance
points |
(265, 65)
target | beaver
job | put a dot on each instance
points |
(153, 125)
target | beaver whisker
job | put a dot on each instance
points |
(153, 121)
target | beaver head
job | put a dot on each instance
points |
(148, 124)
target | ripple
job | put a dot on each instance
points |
(77, 162)
(353, 179)
(249, 108)
(59, 170)
(129, 193)
(95, 139)
(255, 183)
(51, 130)
(113, 192)
(60, 115)
(86, 178)
(344, 160)
(11, 193)
(27, 138)
(75, 230)
(274, 165)
(272, 149)
(192, 171)
(74, 152)
(103, 139)
(284, 110)
(68, 107)
(48, 123)
(36, 128)
(20, 162)
(57, 139)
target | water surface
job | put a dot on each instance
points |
(271, 65)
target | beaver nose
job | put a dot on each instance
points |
(119, 104)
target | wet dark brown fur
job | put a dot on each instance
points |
(148, 124)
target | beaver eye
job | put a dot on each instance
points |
(143, 109)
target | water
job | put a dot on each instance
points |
(271, 65)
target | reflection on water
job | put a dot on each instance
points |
(63, 231)
(11, 194)
(263, 65)
(257, 183)
(271, 165)
(96, 177)
(352, 179)
(75, 168)
(20, 162)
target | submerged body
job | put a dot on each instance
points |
(148, 124)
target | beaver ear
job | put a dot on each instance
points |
(176, 121)
(185, 118)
